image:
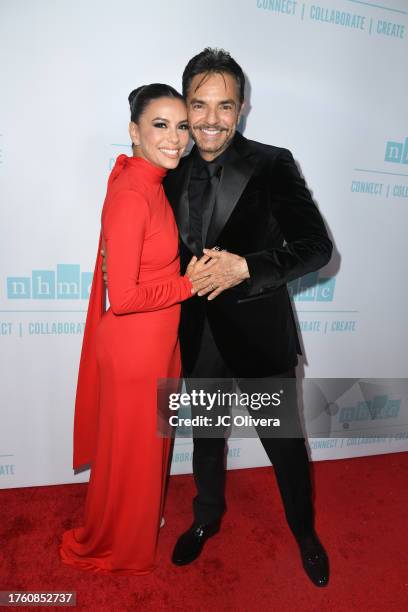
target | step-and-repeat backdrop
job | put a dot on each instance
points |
(326, 79)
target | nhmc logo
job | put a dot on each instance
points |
(311, 288)
(67, 283)
(380, 407)
(397, 152)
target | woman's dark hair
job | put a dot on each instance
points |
(213, 61)
(141, 97)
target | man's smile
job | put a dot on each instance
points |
(210, 131)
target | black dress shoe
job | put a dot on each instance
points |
(314, 559)
(190, 544)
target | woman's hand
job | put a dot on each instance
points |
(197, 268)
(190, 267)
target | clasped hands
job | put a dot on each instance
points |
(216, 271)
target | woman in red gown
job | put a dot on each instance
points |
(128, 347)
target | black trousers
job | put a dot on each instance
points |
(288, 456)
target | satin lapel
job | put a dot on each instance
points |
(236, 174)
(181, 203)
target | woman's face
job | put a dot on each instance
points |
(162, 132)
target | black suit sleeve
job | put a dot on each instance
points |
(307, 246)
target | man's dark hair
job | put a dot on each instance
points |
(213, 61)
(141, 97)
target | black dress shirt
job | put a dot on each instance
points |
(198, 182)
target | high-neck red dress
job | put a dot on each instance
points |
(125, 350)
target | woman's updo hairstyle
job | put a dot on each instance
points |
(141, 97)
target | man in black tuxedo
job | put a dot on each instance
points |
(249, 201)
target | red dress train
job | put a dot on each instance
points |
(125, 350)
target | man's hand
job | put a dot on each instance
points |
(223, 271)
(105, 276)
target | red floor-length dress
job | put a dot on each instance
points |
(125, 350)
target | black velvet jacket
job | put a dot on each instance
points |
(265, 213)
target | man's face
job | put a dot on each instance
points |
(213, 110)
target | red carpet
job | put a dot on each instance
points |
(252, 564)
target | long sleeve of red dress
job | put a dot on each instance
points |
(125, 226)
